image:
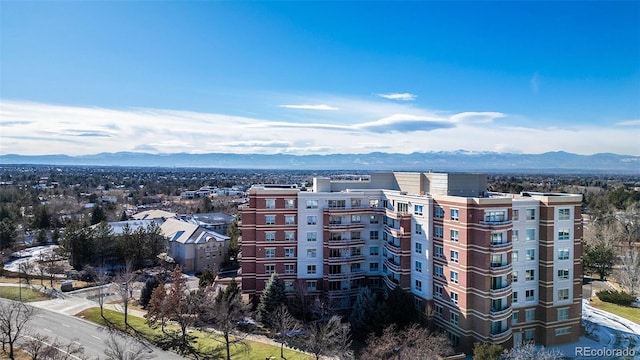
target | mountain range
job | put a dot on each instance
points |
(461, 160)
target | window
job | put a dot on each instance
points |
(563, 314)
(529, 335)
(563, 294)
(529, 315)
(288, 285)
(337, 204)
(514, 235)
(454, 297)
(454, 256)
(531, 214)
(439, 271)
(494, 216)
(514, 276)
(454, 235)
(289, 252)
(312, 236)
(311, 269)
(374, 235)
(438, 232)
(418, 266)
(417, 210)
(270, 204)
(418, 229)
(312, 204)
(355, 203)
(514, 298)
(564, 214)
(312, 285)
(374, 251)
(311, 220)
(455, 214)
(563, 331)
(514, 214)
(270, 219)
(289, 203)
(454, 340)
(438, 290)
(289, 236)
(418, 248)
(563, 234)
(270, 236)
(454, 318)
(374, 219)
(563, 274)
(529, 274)
(374, 266)
(269, 253)
(418, 285)
(454, 276)
(355, 219)
(529, 295)
(289, 268)
(438, 251)
(311, 253)
(403, 207)
(530, 235)
(439, 309)
(514, 256)
(289, 219)
(514, 318)
(563, 254)
(530, 254)
(269, 269)
(356, 235)
(439, 212)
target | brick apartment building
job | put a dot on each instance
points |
(486, 267)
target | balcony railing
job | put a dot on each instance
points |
(503, 245)
(391, 282)
(500, 335)
(345, 242)
(504, 310)
(345, 258)
(501, 289)
(495, 222)
(393, 231)
(395, 267)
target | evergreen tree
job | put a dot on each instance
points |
(272, 296)
(7, 233)
(145, 294)
(123, 216)
(97, 215)
(485, 351)
(233, 232)
(400, 308)
(206, 279)
(366, 315)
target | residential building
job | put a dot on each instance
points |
(496, 268)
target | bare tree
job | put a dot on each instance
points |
(121, 348)
(102, 289)
(530, 352)
(414, 342)
(42, 347)
(26, 270)
(226, 310)
(14, 319)
(124, 288)
(328, 338)
(629, 270)
(284, 325)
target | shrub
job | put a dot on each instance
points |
(616, 297)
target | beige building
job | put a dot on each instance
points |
(497, 268)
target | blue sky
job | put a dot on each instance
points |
(304, 77)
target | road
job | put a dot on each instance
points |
(92, 337)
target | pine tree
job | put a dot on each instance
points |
(272, 296)
(366, 314)
(146, 292)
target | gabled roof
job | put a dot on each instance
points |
(154, 214)
(186, 233)
(118, 226)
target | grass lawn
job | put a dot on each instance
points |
(207, 342)
(13, 293)
(630, 313)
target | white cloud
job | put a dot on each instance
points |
(323, 107)
(629, 123)
(360, 127)
(399, 96)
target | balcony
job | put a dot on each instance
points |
(500, 290)
(353, 275)
(392, 265)
(500, 335)
(345, 242)
(500, 269)
(495, 223)
(344, 226)
(342, 259)
(391, 282)
(397, 215)
(500, 312)
(501, 246)
(393, 248)
(393, 231)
